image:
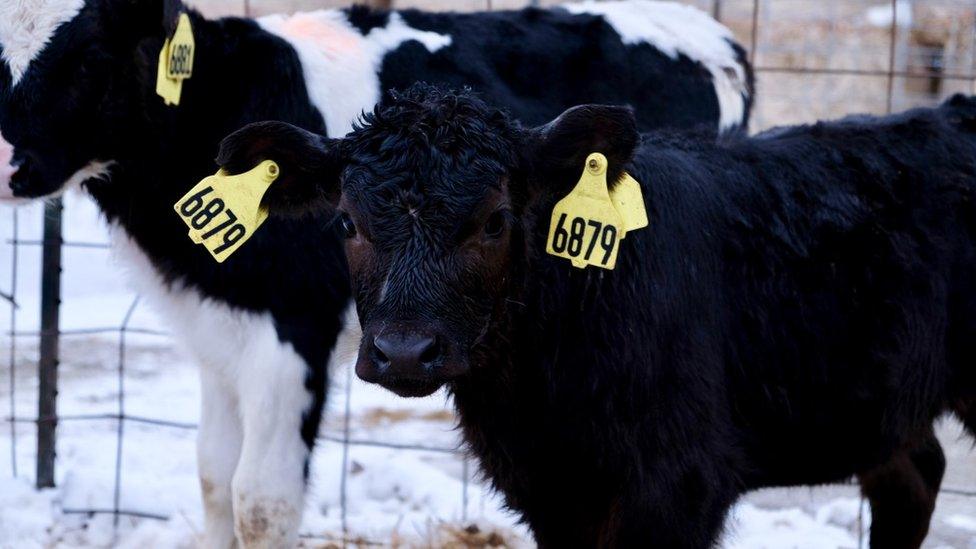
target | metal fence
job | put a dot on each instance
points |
(749, 18)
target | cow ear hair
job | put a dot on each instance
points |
(171, 15)
(139, 19)
(309, 165)
(558, 151)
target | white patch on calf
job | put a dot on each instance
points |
(259, 382)
(7, 170)
(341, 65)
(679, 29)
(269, 483)
(397, 32)
(219, 442)
(26, 26)
(96, 169)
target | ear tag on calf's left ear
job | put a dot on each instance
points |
(223, 211)
(176, 62)
(585, 227)
(589, 223)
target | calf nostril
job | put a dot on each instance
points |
(378, 352)
(405, 351)
(431, 351)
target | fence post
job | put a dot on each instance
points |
(50, 330)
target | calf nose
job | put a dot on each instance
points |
(13, 174)
(399, 352)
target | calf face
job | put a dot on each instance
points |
(65, 73)
(438, 196)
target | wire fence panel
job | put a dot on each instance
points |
(818, 62)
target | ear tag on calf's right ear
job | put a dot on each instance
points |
(585, 227)
(223, 211)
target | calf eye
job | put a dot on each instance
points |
(347, 225)
(495, 225)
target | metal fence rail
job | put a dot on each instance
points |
(49, 335)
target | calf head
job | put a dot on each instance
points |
(67, 70)
(440, 199)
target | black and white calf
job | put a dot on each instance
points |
(800, 309)
(77, 102)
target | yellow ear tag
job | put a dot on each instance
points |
(176, 62)
(628, 199)
(223, 211)
(585, 227)
(167, 88)
(181, 50)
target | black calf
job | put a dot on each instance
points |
(799, 311)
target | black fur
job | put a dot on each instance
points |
(800, 310)
(366, 19)
(539, 62)
(91, 95)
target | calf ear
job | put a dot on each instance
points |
(309, 165)
(559, 149)
(171, 15)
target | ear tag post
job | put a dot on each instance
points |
(223, 211)
(585, 227)
(629, 201)
(176, 62)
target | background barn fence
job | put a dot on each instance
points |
(811, 63)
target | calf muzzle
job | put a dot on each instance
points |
(409, 362)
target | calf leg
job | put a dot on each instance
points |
(218, 446)
(686, 511)
(902, 493)
(694, 519)
(268, 486)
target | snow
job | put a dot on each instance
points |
(410, 497)
(754, 528)
(880, 15)
(962, 522)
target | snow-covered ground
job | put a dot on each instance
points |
(394, 496)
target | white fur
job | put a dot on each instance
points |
(219, 442)
(7, 170)
(251, 454)
(679, 29)
(96, 169)
(341, 65)
(26, 26)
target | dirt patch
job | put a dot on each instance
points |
(383, 416)
(470, 537)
